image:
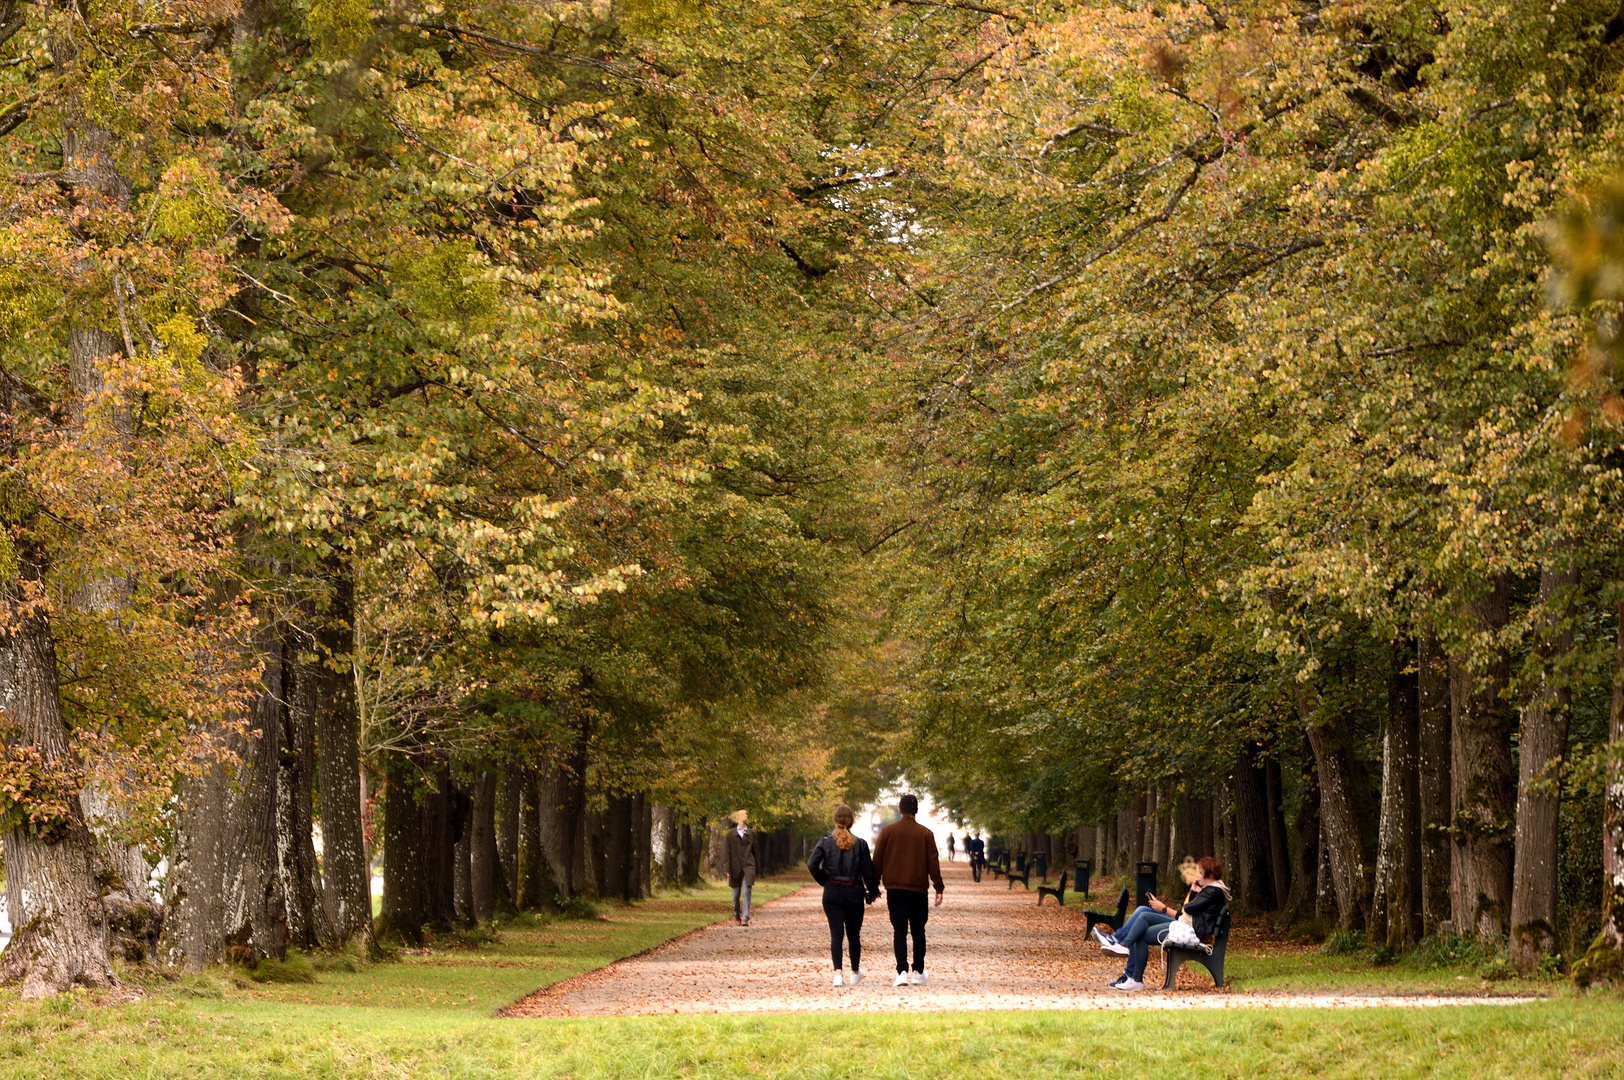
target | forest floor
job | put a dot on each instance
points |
(436, 1012)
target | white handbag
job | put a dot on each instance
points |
(1182, 934)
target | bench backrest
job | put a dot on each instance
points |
(1220, 936)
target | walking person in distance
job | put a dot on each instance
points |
(841, 864)
(741, 858)
(950, 846)
(907, 865)
(976, 849)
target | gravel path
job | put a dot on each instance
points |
(989, 948)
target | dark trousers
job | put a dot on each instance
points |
(843, 906)
(909, 910)
(976, 863)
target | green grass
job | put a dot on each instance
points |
(431, 1015)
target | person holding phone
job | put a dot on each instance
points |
(1207, 899)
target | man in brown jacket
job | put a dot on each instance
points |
(906, 863)
(741, 856)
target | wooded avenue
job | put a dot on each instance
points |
(487, 444)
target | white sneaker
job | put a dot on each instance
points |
(840, 980)
(1128, 984)
(1114, 949)
(854, 978)
(1101, 936)
(901, 979)
(919, 978)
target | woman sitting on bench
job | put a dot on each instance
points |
(1207, 899)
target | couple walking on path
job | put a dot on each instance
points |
(904, 862)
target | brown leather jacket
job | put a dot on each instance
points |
(905, 857)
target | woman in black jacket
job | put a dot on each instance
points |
(842, 865)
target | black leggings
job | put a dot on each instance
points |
(844, 907)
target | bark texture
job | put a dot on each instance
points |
(345, 872)
(1341, 846)
(1605, 959)
(255, 922)
(1279, 842)
(561, 802)
(1484, 781)
(1252, 874)
(482, 863)
(1433, 768)
(401, 915)
(1395, 919)
(1543, 744)
(1306, 850)
(194, 889)
(62, 940)
(509, 809)
(308, 925)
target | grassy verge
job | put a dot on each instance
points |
(430, 1014)
(205, 1040)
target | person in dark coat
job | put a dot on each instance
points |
(741, 858)
(842, 865)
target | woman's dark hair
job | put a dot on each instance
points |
(1211, 868)
(908, 804)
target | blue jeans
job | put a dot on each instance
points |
(1123, 929)
(1140, 933)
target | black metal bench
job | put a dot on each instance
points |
(1059, 893)
(1113, 921)
(1175, 956)
(1024, 877)
(995, 864)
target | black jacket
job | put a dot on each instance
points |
(828, 863)
(1204, 908)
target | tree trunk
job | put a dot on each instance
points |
(1604, 961)
(61, 941)
(1306, 853)
(561, 802)
(255, 919)
(1437, 851)
(1339, 823)
(618, 849)
(1279, 845)
(1395, 908)
(510, 810)
(308, 927)
(645, 845)
(194, 931)
(482, 865)
(1252, 873)
(439, 853)
(1541, 749)
(345, 872)
(1484, 788)
(664, 843)
(402, 910)
(1228, 851)
(537, 891)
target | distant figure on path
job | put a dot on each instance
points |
(905, 860)
(841, 864)
(950, 847)
(741, 858)
(976, 849)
